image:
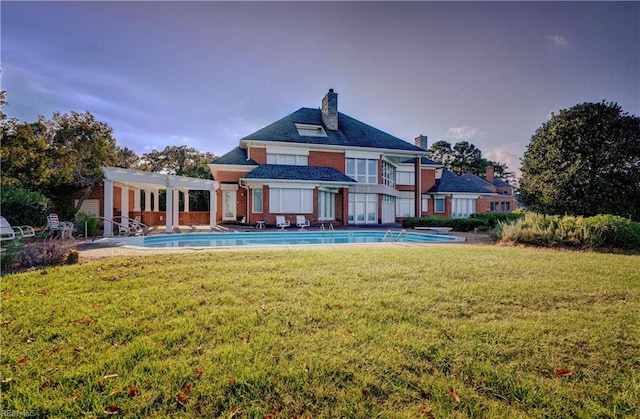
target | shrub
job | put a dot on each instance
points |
(457, 224)
(491, 220)
(42, 253)
(21, 207)
(601, 231)
(83, 219)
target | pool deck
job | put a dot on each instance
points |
(105, 248)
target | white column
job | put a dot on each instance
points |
(156, 201)
(186, 200)
(176, 208)
(124, 194)
(108, 208)
(169, 210)
(212, 208)
(136, 199)
(147, 200)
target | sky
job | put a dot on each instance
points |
(205, 74)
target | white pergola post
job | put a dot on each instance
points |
(124, 194)
(176, 209)
(137, 194)
(186, 200)
(156, 200)
(108, 208)
(212, 208)
(168, 213)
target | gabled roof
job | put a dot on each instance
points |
(298, 173)
(350, 133)
(452, 183)
(501, 183)
(237, 156)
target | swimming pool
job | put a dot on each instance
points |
(282, 238)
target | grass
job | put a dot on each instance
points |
(432, 331)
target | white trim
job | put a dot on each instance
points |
(229, 187)
(369, 155)
(298, 151)
(377, 151)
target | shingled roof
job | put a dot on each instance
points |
(350, 133)
(452, 183)
(477, 180)
(237, 156)
(298, 173)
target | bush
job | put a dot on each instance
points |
(601, 231)
(491, 220)
(42, 253)
(21, 207)
(457, 224)
(91, 222)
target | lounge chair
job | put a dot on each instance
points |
(54, 225)
(282, 222)
(7, 232)
(302, 222)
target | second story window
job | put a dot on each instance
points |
(290, 159)
(388, 174)
(363, 170)
(406, 176)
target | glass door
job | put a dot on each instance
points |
(229, 206)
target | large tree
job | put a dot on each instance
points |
(585, 160)
(465, 157)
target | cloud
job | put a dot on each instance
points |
(464, 133)
(557, 41)
(506, 156)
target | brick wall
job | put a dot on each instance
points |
(327, 159)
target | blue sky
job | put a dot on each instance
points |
(205, 74)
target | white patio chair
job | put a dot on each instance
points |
(302, 222)
(7, 232)
(282, 222)
(54, 225)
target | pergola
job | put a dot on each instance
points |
(150, 183)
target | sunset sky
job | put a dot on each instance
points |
(205, 74)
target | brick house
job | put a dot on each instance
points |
(331, 167)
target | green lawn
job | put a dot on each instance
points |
(404, 331)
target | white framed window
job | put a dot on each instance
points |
(289, 159)
(438, 205)
(256, 200)
(388, 174)
(326, 206)
(462, 207)
(285, 200)
(363, 208)
(425, 203)
(405, 176)
(363, 170)
(405, 207)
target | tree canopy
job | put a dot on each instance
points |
(465, 157)
(585, 160)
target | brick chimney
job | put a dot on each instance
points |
(330, 110)
(490, 173)
(421, 141)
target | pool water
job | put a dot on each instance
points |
(283, 238)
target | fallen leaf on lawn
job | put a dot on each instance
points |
(5, 380)
(107, 377)
(133, 391)
(186, 389)
(236, 411)
(112, 410)
(21, 361)
(198, 373)
(77, 350)
(182, 399)
(232, 381)
(6, 323)
(337, 305)
(101, 384)
(562, 372)
(96, 305)
(46, 384)
(82, 320)
(455, 395)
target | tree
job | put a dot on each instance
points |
(81, 147)
(127, 158)
(466, 158)
(25, 154)
(584, 161)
